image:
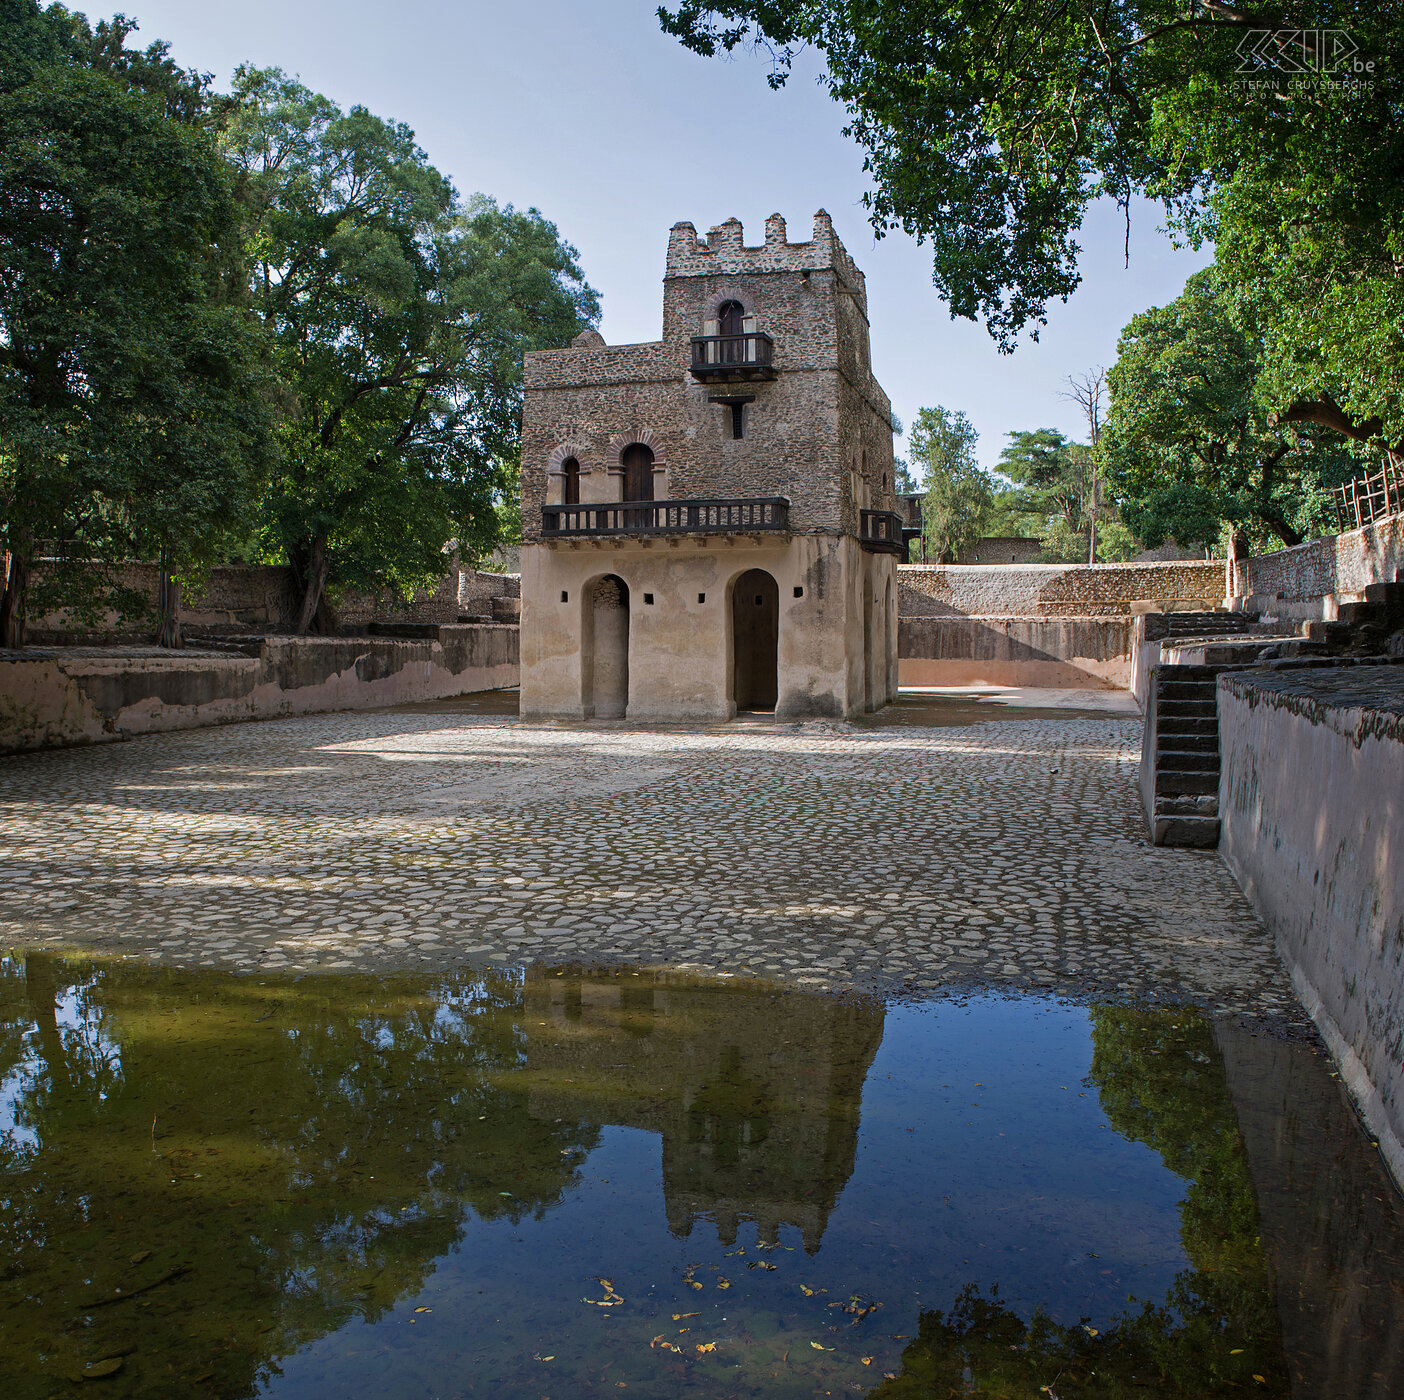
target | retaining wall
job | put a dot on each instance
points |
(1079, 653)
(1055, 590)
(264, 598)
(1306, 582)
(1311, 801)
(79, 695)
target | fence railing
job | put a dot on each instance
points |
(880, 531)
(1371, 497)
(742, 515)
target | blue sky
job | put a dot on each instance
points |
(584, 109)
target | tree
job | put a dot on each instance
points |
(1087, 391)
(131, 411)
(1192, 444)
(399, 316)
(989, 129)
(959, 495)
(1053, 489)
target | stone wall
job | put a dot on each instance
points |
(1307, 581)
(1056, 590)
(1060, 653)
(263, 598)
(50, 698)
(1311, 801)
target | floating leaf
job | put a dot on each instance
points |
(692, 1283)
(761, 1264)
(96, 1370)
(678, 1317)
(808, 1292)
(1091, 1331)
(866, 1360)
(424, 1310)
(723, 1283)
(1261, 1380)
(817, 1347)
(1237, 1351)
(706, 1346)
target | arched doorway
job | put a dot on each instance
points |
(570, 473)
(606, 648)
(637, 462)
(755, 640)
(731, 326)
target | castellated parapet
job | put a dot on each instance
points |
(752, 425)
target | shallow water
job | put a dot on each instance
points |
(563, 1184)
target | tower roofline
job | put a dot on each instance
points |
(724, 251)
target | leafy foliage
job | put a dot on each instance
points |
(399, 316)
(132, 413)
(1192, 443)
(959, 495)
(988, 129)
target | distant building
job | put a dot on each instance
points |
(1002, 549)
(709, 520)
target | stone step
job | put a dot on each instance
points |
(1389, 595)
(1174, 782)
(1186, 709)
(1170, 741)
(1201, 725)
(1185, 690)
(1354, 614)
(1188, 804)
(1179, 760)
(1201, 833)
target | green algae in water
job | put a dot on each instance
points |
(569, 1184)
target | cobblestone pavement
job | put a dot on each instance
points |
(1005, 854)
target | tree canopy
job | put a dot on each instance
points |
(1192, 443)
(989, 129)
(959, 495)
(132, 414)
(399, 315)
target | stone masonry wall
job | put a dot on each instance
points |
(1295, 583)
(819, 434)
(51, 698)
(262, 598)
(1056, 590)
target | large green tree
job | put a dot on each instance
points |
(132, 417)
(959, 495)
(399, 315)
(989, 128)
(1192, 443)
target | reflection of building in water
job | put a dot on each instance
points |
(756, 1094)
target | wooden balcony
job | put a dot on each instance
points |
(742, 516)
(733, 358)
(880, 531)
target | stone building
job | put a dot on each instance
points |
(709, 520)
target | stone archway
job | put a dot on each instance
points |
(755, 641)
(605, 644)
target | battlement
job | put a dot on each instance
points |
(724, 252)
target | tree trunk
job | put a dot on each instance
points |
(312, 575)
(14, 599)
(168, 608)
(1092, 514)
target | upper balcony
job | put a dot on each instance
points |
(881, 532)
(733, 358)
(739, 516)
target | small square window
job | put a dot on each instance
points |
(648, 598)
(565, 597)
(701, 597)
(799, 593)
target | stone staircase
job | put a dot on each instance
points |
(1366, 628)
(1180, 758)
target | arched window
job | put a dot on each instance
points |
(570, 472)
(731, 326)
(637, 461)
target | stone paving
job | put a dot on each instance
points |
(1006, 854)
